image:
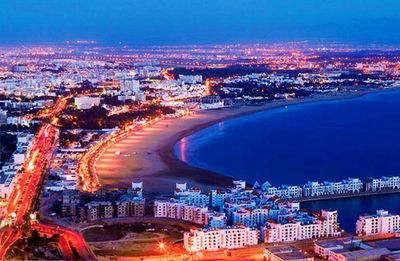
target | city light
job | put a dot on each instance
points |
(161, 246)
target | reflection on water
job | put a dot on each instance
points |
(322, 141)
(182, 149)
(349, 209)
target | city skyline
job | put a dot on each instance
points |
(199, 130)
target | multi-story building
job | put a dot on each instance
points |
(129, 206)
(7, 183)
(183, 211)
(129, 85)
(302, 226)
(198, 215)
(218, 197)
(315, 189)
(192, 79)
(290, 230)
(383, 183)
(86, 102)
(217, 220)
(196, 197)
(284, 191)
(96, 210)
(329, 223)
(137, 189)
(251, 217)
(380, 223)
(216, 239)
(327, 248)
(168, 209)
(70, 201)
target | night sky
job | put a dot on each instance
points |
(149, 22)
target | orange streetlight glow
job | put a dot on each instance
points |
(161, 246)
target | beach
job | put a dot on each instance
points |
(147, 155)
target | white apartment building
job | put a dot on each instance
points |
(196, 197)
(251, 217)
(380, 223)
(181, 190)
(137, 188)
(217, 220)
(383, 183)
(300, 228)
(198, 215)
(218, 197)
(180, 210)
(216, 239)
(168, 209)
(285, 191)
(191, 79)
(7, 183)
(130, 85)
(86, 102)
(329, 223)
(315, 188)
(291, 231)
(192, 196)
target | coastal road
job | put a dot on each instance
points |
(27, 189)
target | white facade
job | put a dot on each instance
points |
(315, 189)
(86, 102)
(382, 222)
(192, 79)
(182, 211)
(7, 183)
(137, 187)
(383, 183)
(250, 217)
(285, 191)
(324, 225)
(216, 239)
(130, 85)
(168, 209)
(218, 197)
(290, 232)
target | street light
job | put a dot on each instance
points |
(161, 246)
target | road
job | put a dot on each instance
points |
(69, 239)
(27, 189)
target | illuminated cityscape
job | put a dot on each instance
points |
(104, 145)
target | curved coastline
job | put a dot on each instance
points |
(156, 163)
(169, 151)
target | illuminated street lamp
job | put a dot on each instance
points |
(161, 246)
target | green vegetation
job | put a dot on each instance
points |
(35, 247)
(8, 144)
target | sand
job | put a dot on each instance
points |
(147, 155)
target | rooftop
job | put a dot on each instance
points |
(287, 252)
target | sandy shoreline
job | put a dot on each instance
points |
(148, 155)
